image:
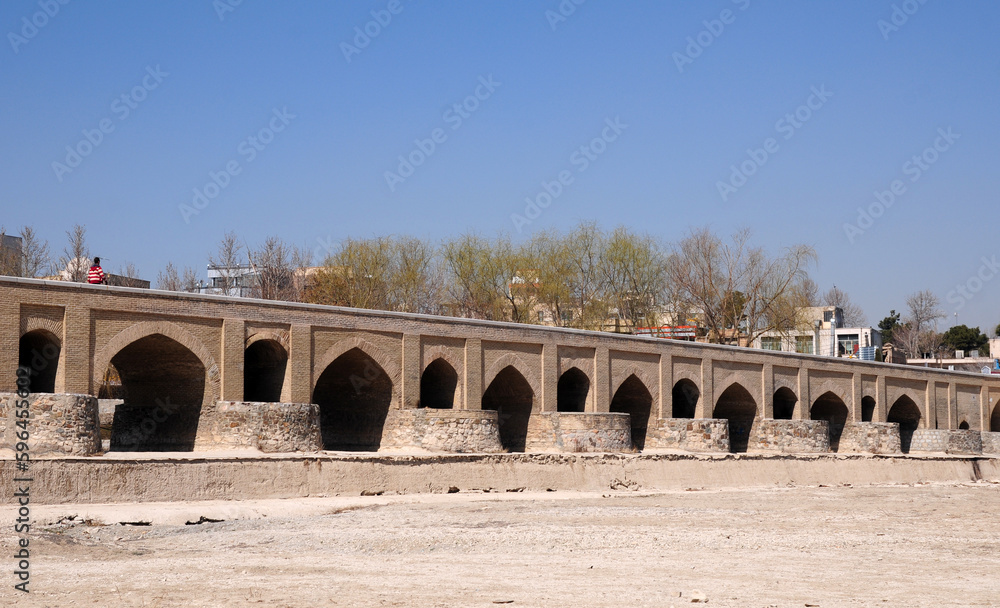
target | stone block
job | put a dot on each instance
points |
(59, 423)
(870, 438)
(690, 434)
(442, 430)
(790, 436)
(268, 427)
(579, 432)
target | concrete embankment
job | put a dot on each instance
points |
(189, 477)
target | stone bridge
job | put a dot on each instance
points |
(184, 372)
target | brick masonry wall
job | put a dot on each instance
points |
(950, 442)
(693, 435)
(58, 424)
(991, 443)
(790, 436)
(269, 427)
(870, 438)
(441, 430)
(579, 432)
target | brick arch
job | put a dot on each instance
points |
(277, 335)
(30, 324)
(634, 370)
(164, 328)
(515, 361)
(377, 354)
(842, 390)
(442, 352)
(892, 395)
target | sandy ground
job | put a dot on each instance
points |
(919, 545)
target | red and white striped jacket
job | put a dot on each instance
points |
(96, 275)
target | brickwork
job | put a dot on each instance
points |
(268, 427)
(58, 424)
(870, 438)
(579, 432)
(690, 434)
(206, 336)
(790, 436)
(446, 431)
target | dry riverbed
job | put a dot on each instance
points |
(907, 546)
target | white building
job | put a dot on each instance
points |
(821, 331)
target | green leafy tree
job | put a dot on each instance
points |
(961, 337)
(889, 325)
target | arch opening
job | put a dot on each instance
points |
(438, 385)
(684, 396)
(738, 407)
(995, 420)
(905, 413)
(572, 391)
(867, 409)
(634, 399)
(784, 403)
(510, 395)
(354, 394)
(831, 408)
(38, 351)
(964, 426)
(264, 365)
(162, 385)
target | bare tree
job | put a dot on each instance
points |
(633, 268)
(740, 291)
(35, 257)
(918, 334)
(273, 265)
(76, 255)
(168, 279)
(227, 261)
(854, 315)
(416, 281)
(189, 280)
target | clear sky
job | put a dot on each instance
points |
(299, 116)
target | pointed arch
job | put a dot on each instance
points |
(572, 391)
(510, 394)
(378, 355)
(633, 398)
(40, 351)
(513, 360)
(170, 330)
(439, 385)
(684, 395)
(906, 414)
(831, 408)
(738, 406)
(784, 403)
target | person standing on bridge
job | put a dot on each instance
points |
(96, 276)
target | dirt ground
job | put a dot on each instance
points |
(908, 546)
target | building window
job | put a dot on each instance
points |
(770, 343)
(541, 316)
(847, 344)
(804, 344)
(827, 316)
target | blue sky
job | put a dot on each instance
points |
(692, 87)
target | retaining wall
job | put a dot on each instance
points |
(442, 430)
(269, 427)
(870, 438)
(579, 432)
(790, 436)
(691, 434)
(949, 442)
(991, 443)
(59, 423)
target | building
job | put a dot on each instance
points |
(820, 330)
(10, 255)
